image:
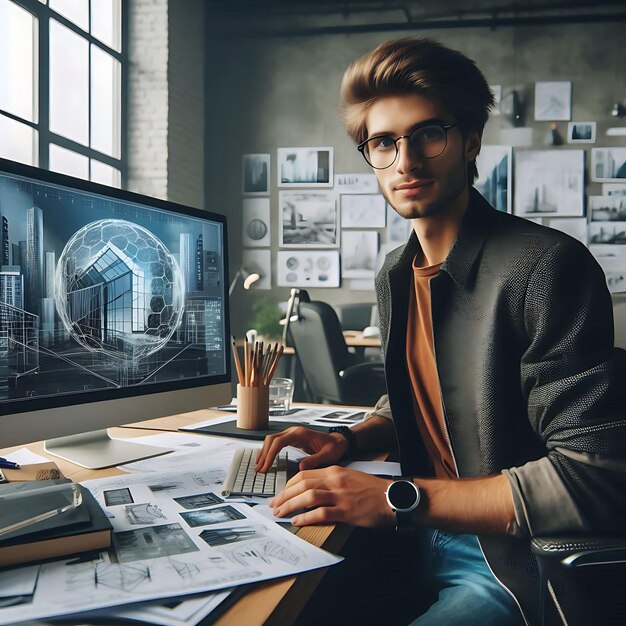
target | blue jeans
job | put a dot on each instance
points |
(468, 593)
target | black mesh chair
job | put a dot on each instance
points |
(583, 580)
(330, 370)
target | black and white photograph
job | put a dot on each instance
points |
(494, 181)
(362, 211)
(255, 223)
(607, 208)
(359, 249)
(553, 101)
(581, 132)
(615, 272)
(398, 228)
(217, 515)
(144, 514)
(310, 268)
(222, 536)
(608, 164)
(305, 167)
(356, 183)
(614, 189)
(152, 542)
(613, 233)
(115, 497)
(259, 261)
(256, 174)
(199, 501)
(549, 183)
(308, 219)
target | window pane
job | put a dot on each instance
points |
(74, 10)
(18, 61)
(105, 174)
(105, 103)
(19, 142)
(69, 84)
(68, 162)
(106, 22)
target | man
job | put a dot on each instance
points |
(504, 390)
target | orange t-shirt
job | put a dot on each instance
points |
(420, 358)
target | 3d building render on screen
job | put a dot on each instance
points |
(97, 293)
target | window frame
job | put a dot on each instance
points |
(46, 137)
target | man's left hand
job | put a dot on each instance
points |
(335, 494)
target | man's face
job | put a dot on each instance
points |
(415, 186)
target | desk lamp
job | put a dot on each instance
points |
(248, 277)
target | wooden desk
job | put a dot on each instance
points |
(272, 603)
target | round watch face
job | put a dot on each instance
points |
(403, 495)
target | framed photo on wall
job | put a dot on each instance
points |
(581, 132)
(256, 174)
(494, 181)
(553, 101)
(608, 165)
(256, 223)
(307, 268)
(305, 167)
(549, 183)
(308, 219)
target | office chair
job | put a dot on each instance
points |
(355, 315)
(330, 370)
(583, 579)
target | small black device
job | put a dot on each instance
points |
(350, 436)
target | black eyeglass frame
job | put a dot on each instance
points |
(440, 124)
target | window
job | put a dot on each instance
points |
(62, 65)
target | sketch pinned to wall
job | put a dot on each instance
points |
(398, 228)
(608, 164)
(259, 261)
(256, 222)
(305, 167)
(356, 183)
(362, 211)
(494, 181)
(549, 183)
(573, 226)
(308, 218)
(256, 174)
(607, 208)
(310, 268)
(581, 132)
(614, 268)
(359, 249)
(607, 232)
(553, 101)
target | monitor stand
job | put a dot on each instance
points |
(96, 450)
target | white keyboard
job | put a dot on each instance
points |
(242, 480)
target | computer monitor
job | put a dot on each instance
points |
(113, 309)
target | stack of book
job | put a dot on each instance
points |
(46, 519)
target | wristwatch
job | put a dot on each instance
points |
(350, 436)
(403, 496)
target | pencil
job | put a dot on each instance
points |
(237, 362)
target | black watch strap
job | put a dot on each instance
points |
(350, 436)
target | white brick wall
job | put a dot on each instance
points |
(166, 100)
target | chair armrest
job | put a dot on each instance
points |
(606, 546)
(370, 368)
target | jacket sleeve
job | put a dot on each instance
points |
(575, 383)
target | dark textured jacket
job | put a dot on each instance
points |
(530, 381)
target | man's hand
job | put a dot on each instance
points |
(324, 448)
(335, 494)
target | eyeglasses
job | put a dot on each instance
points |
(427, 141)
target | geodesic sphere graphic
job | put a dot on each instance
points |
(119, 290)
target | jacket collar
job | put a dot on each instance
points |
(473, 233)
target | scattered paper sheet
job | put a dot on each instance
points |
(376, 468)
(173, 535)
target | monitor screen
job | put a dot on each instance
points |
(105, 296)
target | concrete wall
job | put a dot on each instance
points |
(266, 93)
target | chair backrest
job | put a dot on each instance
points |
(355, 315)
(321, 349)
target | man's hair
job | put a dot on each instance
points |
(421, 66)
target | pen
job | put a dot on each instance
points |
(6, 464)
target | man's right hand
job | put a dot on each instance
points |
(323, 448)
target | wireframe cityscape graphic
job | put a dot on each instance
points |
(97, 293)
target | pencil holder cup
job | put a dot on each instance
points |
(253, 407)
